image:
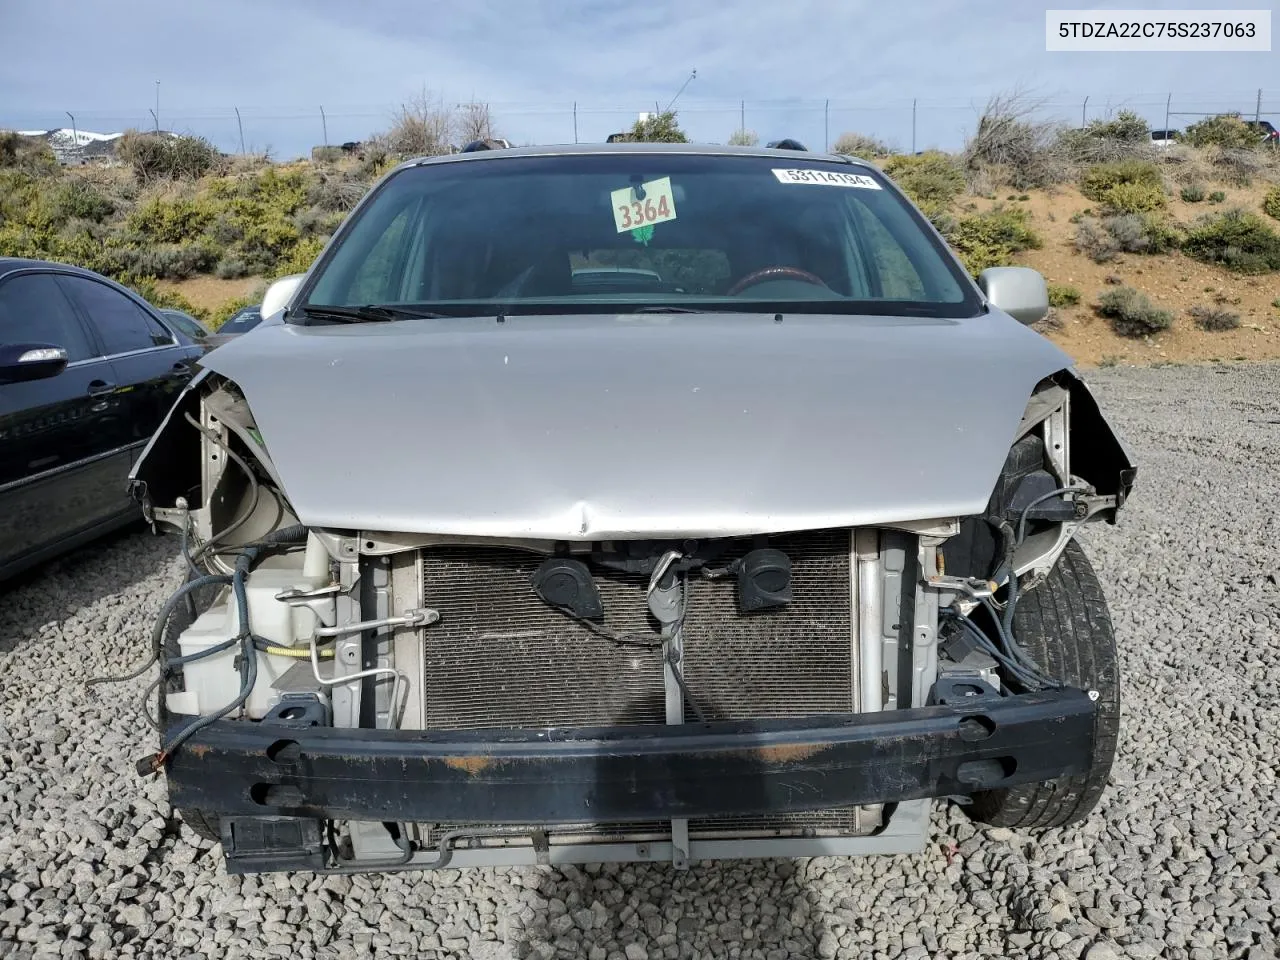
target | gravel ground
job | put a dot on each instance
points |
(1180, 860)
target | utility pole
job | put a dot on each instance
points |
(1257, 110)
(154, 119)
(826, 125)
(324, 125)
(742, 116)
(1167, 101)
(575, 121)
(913, 126)
(157, 113)
(240, 126)
(1082, 111)
(74, 136)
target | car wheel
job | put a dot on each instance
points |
(1065, 627)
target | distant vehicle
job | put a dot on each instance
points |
(88, 370)
(240, 322)
(1267, 133)
(1164, 138)
(188, 324)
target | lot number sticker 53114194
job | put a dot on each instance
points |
(652, 203)
(831, 178)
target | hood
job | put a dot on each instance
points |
(668, 425)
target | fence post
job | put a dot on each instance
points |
(240, 127)
(324, 125)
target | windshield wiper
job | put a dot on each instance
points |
(369, 313)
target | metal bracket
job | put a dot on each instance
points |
(411, 618)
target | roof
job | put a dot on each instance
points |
(593, 149)
(11, 264)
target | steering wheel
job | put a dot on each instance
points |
(775, 273)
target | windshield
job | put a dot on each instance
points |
(246, 319)
(627, 231)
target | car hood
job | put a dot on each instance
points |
(600, 427)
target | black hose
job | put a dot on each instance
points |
(157, 632)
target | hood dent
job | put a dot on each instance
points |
(590, 428)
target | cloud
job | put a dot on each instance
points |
(808, 68)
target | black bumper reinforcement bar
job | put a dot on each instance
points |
(614, 774)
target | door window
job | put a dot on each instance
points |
(122, 325)
(33, 309)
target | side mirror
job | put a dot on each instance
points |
(20, 362)
(1019, 291)
(280, 293)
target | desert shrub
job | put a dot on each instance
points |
(932, 179)
(860, 145)
(300, 257)
(1271, 203)
(26, 153)
(1129, 186)
(74, 197)
(1224, 130)
(991, 239)
(1217, 197)
(1126, 136)
(657, 128)
(743, 138)
(1192, 193)
(313, 221)
(1061, 295)
(1131, 314)
(170, 261)
(230, 268)
(176, 220)
(1012, 147)
(1239, 240)
(1214, 319)
(1238, 166)
(1095, 241)
(1101, 240)
(326, 154)
(158, 155)
(336, 192)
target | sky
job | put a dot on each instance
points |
(802, 69)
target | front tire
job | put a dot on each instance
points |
(1065, 627)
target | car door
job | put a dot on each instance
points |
(151, 363)
(63, 439)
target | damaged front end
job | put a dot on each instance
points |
(344, 700)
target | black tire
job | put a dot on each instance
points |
(1064, 626)
(202, 823)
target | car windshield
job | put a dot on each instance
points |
(246, 319)
(628, 231)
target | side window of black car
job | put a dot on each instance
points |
(33, 309)
(122, 325)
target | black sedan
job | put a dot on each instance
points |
(88, 370)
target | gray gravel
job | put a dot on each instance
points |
(1180, 861)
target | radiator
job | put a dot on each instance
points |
(500, 657)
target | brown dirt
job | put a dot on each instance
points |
(1172, 281)
(210, 293)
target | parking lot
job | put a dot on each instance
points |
(1181, 860)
